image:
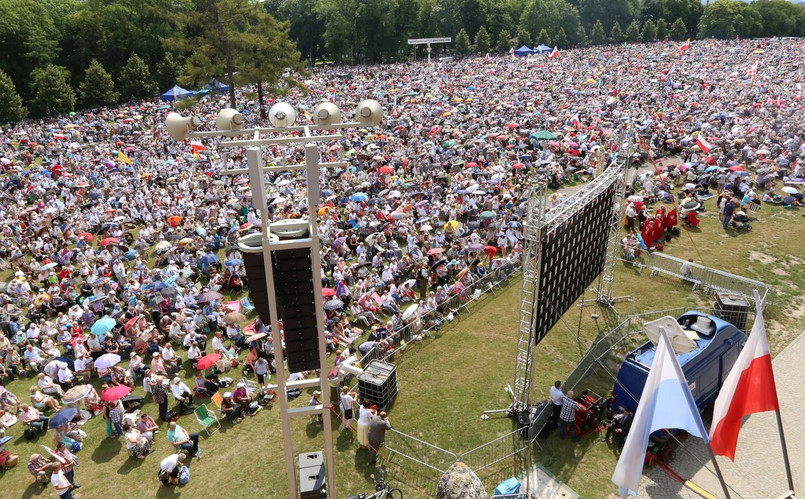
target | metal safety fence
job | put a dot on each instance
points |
(458, 302)
(597, 370)
(710, 280)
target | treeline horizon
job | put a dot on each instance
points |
(59, 55)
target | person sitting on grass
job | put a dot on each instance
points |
(39, 466)
(42, 401)
(243, 399)
(137, 445)
(147, 427)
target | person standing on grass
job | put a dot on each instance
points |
(348, 400)
(261, 367)
(377, 434)
(69, 463)
(61, 483)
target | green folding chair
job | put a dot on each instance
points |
(206, 419)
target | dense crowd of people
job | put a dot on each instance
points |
(120, 245)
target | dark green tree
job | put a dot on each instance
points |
(779, 18)
(462, 42)
(11, 108)
(135, 79)
(581, 36)
(649, 31)
(504, 40)
(543, 37)
(678, 30)
(274, 61)
(662, 29)
(482, 42)
(551, 15)
(166, 72)
(498, 17)
(632, 32)
(97, 88)
(560, 38)
(523, 36)
(617, 33)
(28, 40)
(608, 11)
(689, 10)
(52, 93)
(307, 28)
(597, 34)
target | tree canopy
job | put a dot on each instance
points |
(149, 45)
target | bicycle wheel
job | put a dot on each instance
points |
(395, 494)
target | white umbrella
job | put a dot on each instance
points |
(107, 360)
(410, 312)
(278, 200)
(394, 194)
(789, 190)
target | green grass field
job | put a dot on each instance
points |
(445, 385)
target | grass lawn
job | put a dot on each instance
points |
(445, 385)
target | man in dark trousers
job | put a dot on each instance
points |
(556, 401)
(377, 433)
(620, 426)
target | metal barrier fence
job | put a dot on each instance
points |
(597, 369)
(491, 453)
(421, 452)
(456, 303)
(709, 279)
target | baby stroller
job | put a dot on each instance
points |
(741, 222)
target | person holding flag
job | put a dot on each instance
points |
(554, 53)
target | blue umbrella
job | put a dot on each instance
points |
(170, 281)
(63, 417)
(103, 325)
(742, 174)
(233, 262)
(710, 169)
(130, 255)
(209, 259)
(359, 196)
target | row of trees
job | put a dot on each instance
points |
(56, 54)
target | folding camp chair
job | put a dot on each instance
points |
(206, 419)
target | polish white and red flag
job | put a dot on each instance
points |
(575, 121)
(554, 53)
(748, 389)
(703, 144)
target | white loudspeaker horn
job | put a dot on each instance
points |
(326, 113)
(282, 115)
(369, 112)
(178, 126)
(229, 119)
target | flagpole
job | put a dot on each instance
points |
(718, 472)
(785, 450)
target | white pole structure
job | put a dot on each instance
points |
(327, 117)
(257, 181)
(427, 41)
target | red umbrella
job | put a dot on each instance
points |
(435, 251)
(472, 164)
(386, 169)
(208, 361)
(518, 166)
(115, 393)
(513, 125)
(131, 322)
(736, 168)
(86, 236)
(327, 292)
(110, 240)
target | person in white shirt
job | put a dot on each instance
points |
(218, 342)
(556, 400)
(61, 483)
(171, 465)
(169, 356)
(181, 392)
(194, 353)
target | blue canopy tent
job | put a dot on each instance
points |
(175, 94)
(523, 51)
(217, 86)
(543, 49)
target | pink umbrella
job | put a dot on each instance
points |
(518, 166)
(115, 393)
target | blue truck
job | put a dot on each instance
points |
(711, 347)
